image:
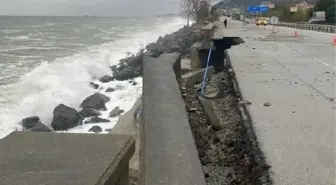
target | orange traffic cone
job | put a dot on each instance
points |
(296, 34)
(334, 40)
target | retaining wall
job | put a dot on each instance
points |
(168, 154)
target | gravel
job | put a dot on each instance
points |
(228, 156)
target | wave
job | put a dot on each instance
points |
(65, 80)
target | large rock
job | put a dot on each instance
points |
(179, 41)
(96, 120)
(126, 74)
(65, 118)
(115, 112)
(96, 101)
(34, 124)
(96, 129)
(89, 112)
(110, 89)
(106, 78)
(93, 85)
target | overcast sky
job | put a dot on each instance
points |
(89, 7)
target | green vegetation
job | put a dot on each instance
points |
(303, 15)
(331, 11)
(199, 9)
(283, 12)
(329, 7)
(323, 5)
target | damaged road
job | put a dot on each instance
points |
(226, 144)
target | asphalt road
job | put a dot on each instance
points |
(296, 75)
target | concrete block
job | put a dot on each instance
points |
(194, 77)
(32, 158)
(209, 112)
(208, 31)
(195, 61)
(185, 64)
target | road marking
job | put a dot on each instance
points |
(315, 59)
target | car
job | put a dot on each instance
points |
(261, 21)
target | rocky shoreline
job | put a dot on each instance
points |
(89, 111)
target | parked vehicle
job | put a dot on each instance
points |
(261, 21)
(318, 18)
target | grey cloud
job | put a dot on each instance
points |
(89, 7)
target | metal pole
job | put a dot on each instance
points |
(206, 69)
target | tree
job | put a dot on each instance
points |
(300, 16)
(199, 8)
(331, 11)
(327, 6)
(283, 12)
(188, 8)
(214, 12)
(204, 11)
(322, 5)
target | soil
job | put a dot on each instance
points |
(229, 156)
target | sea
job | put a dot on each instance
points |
(46, 61)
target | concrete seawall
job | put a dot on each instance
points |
(168, 153)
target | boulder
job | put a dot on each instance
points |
(40, 127)
(96, 101)
(93, 85)
(115, 112)
(96, 120)
(34, 124)
(110, 89)
(65, 118)
(125, 74)
(106, 78)
(29, 122)
(89, 112)
(134, 61)
(96, 129)
(134, 83)
(179, 41)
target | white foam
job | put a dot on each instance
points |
(65, 80)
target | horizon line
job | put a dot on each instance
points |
(102, 16)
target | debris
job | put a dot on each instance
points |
(267, 104)
(246, 102)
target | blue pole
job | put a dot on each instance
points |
(206, 69)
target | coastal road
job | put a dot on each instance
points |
(296, 75)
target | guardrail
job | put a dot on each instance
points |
(313, 27)
(168, 153)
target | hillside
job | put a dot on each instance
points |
(235, 3)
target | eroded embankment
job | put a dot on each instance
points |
(229, 155)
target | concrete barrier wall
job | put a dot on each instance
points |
(168, 153)
(313, 27)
